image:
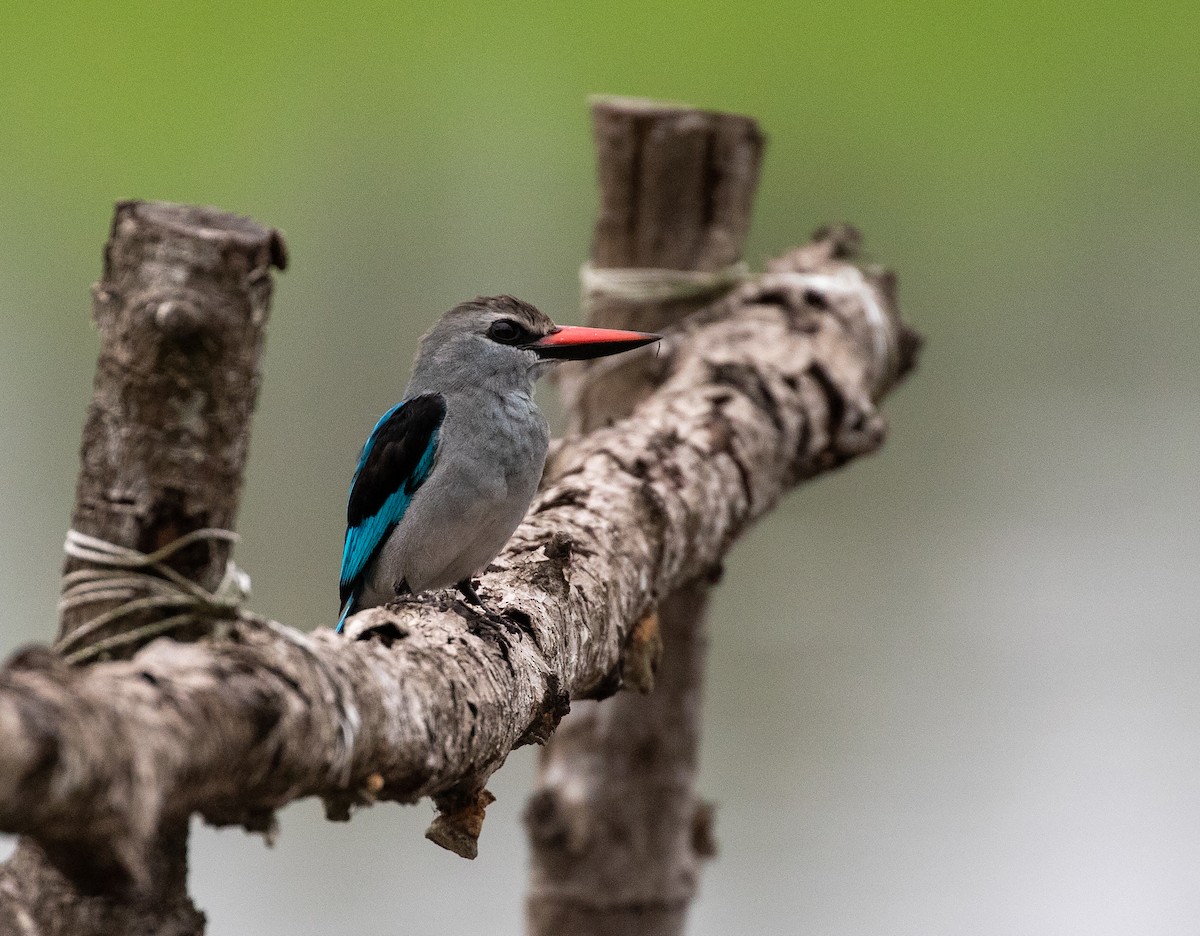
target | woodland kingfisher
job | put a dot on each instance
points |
(447, 474)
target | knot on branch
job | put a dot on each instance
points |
(339, 806)
(459, 821)
(556, 704)
(643, 653)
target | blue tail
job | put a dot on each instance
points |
(346, 610)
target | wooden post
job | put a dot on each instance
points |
(617, 831)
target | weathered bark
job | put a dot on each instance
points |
(181, 311)
(426, 698)
(676, 192)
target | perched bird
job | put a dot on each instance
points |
(446, 475)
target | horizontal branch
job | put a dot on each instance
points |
(773, 384)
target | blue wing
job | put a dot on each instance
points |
(395, 461)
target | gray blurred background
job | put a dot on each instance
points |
(954, 688)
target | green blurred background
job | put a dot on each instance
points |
(954, 688)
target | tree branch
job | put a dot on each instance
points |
(774, 384)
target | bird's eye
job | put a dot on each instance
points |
(505, 331)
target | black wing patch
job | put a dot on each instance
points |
(395, 460)
(391, 455)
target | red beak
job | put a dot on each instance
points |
(572, 343)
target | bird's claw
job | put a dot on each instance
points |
(498, 621)
(467, 589)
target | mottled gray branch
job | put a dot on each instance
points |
(424, 697)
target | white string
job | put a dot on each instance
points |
(123, 574)
(141, 582)
(652, 284)
(655, 284)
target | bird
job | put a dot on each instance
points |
(446, 475)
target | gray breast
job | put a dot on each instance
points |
(490, 457)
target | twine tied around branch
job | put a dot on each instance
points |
(648, 285)
(142, 582)
(656, 284)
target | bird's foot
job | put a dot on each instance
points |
(467, 589)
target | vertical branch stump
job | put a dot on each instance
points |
(617, 832)
(181, 309)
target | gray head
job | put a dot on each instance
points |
(505, 344)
